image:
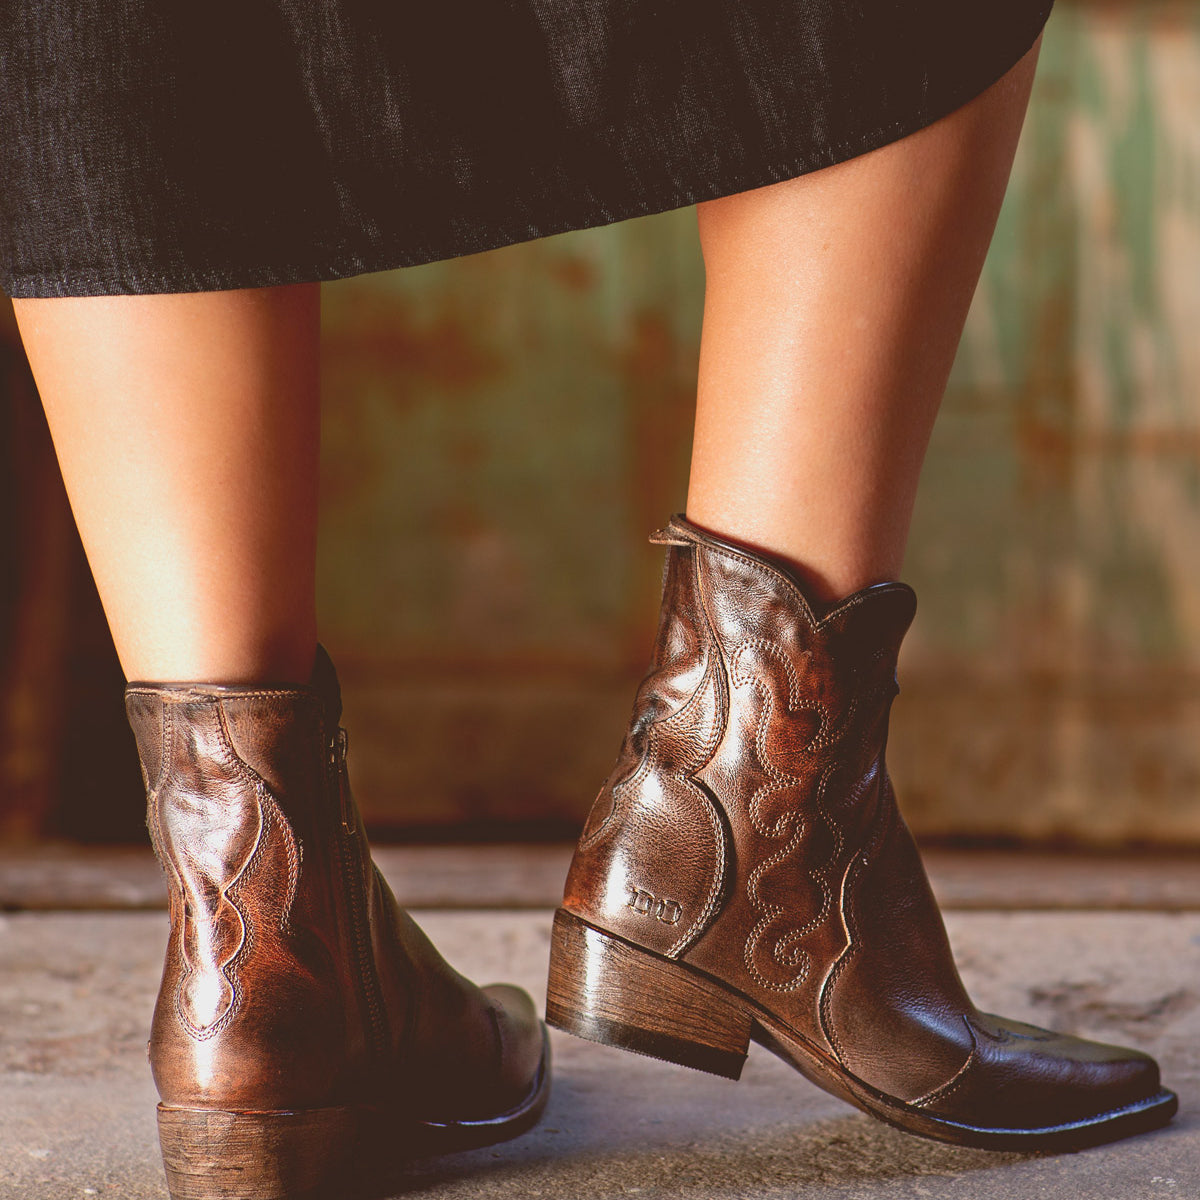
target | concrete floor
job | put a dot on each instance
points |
(77, 1104)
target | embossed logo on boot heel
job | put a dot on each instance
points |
(649, 905)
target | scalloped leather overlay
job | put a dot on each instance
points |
(213, 824)
(655, 838)
(665, 884)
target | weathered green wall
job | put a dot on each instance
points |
(1055, 671)
(503, 430)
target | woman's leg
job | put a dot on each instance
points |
(745, 872)
(834, 306)
(187, 431)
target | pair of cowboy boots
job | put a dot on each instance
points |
(744, 874)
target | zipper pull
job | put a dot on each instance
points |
(337, 760)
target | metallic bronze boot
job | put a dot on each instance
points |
(745, 874)
(307, 1034)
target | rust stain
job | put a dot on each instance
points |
(443, 351)
(659, 370)
(574, 273)
(1040, 439)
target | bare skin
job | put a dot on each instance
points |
(187, 432)
(833, 308)
(187, 425)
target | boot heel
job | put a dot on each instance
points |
(210, 1154)
(607, 991)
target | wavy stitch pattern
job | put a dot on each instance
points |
(774, 951)
(213, 933)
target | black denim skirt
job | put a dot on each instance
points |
(150, 146)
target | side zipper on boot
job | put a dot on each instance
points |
(301, 1154)
(351, 863)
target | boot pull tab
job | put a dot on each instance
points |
(668, 537)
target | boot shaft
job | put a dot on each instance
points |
(755, 715)
(265, 996)
(750, 820)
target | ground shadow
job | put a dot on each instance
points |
(595, 1144)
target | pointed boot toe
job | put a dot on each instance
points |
(745, 874)
(517, 1080)
(308, 1039)
(1023, 1081)
(521, 1037)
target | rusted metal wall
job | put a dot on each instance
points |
(503, 431)
(1054, 676)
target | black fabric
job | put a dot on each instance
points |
(149, 146)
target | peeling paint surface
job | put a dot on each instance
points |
(1056, 547)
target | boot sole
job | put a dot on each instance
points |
(607, 990)
(319, 1153)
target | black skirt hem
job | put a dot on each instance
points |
(101, 281)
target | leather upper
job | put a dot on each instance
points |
(292, 978)
(749, 829)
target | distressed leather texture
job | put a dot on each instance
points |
(749, 829)
(292, 978)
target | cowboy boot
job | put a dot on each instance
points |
(306, 1032)
(745, 873)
